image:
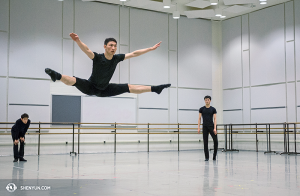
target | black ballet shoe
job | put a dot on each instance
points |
(53, 74)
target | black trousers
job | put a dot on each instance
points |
(19, 153)
(209, 130)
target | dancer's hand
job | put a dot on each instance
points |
(22, 139)
(74, 36)
(199, 130)
(215, 131)
(155, 46)
(16, 142)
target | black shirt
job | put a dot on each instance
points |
(104, 69)
(207, 115)
(19, 129)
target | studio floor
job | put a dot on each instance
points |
(181, 173)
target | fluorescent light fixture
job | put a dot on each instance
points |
(167, 3)
(176, 14)
(222, 16)
(60, 0)
(218, 12)
(213, 2)
(263, 2)
(123, 0)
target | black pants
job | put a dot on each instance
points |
(209, 130)
(19, 153)
(86, 87)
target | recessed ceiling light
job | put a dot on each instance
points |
(222, 16)
(123, 0)
(167, 3)
(218, 12)
(213, 2)
(176, 14)
(263, 2)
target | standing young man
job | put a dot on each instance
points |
(209, 115)
(18, 132)
(104, 66)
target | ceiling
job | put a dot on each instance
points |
(199, 8)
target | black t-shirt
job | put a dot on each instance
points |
(207, 115)
(104, 69)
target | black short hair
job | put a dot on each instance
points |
(207, 97)
(24, 115)
(109, 40)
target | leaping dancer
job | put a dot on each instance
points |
(104, 66)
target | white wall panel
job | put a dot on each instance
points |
(35, 37)
(3, 102)
(173, 105)
(289, 20)
(153, 100)
(233, 117)
(173, 67)
(246, 69)
(153, 116)
(290, 61)
(268, 116)
(172, 33)
(4, 15)
(298, 93)
(192, 99)
(68, 18)
(245, 32)
(232, 54)
(3, 53)
(124, 66)
(267, 56)
(93, 32)
(36, 113)
(108, 110)
(194, 53)
(24, 91)
(67, 57)
(232, 99)
(268, 96)
(297, 36)
(146, 29)
(298, 114)
(246, 106)
(124, 25)
(190, 117)
(291, 102)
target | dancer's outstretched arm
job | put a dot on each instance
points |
(82, 46)
(141, 51)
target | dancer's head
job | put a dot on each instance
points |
(110, 46)
(24, 118)
(207, 99)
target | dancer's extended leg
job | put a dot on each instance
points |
(68, 80)
(138, 89)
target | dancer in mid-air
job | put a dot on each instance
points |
(104, 66)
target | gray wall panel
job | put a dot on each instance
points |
(245, 32)
(268, 96)
(297, 36)
(151, 68)
(289, 20)
(68, 18)
(267, 56)
(67, 57)
(3, 53)
(93, 33)
(124, 25)
(124, 66)
(290, 61)
(298, 93)
(173, 67)
(246, 68)
(291, 103)
(268, 116)
(66, 108)
(232, 99)
(192, 99)
(24, 91)
(234, 117)
(172, 33)
(194, 53)
(232, 54)
(4, 15)
(153, 100)
(3, 102)
(246, 106)
(35, 37)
